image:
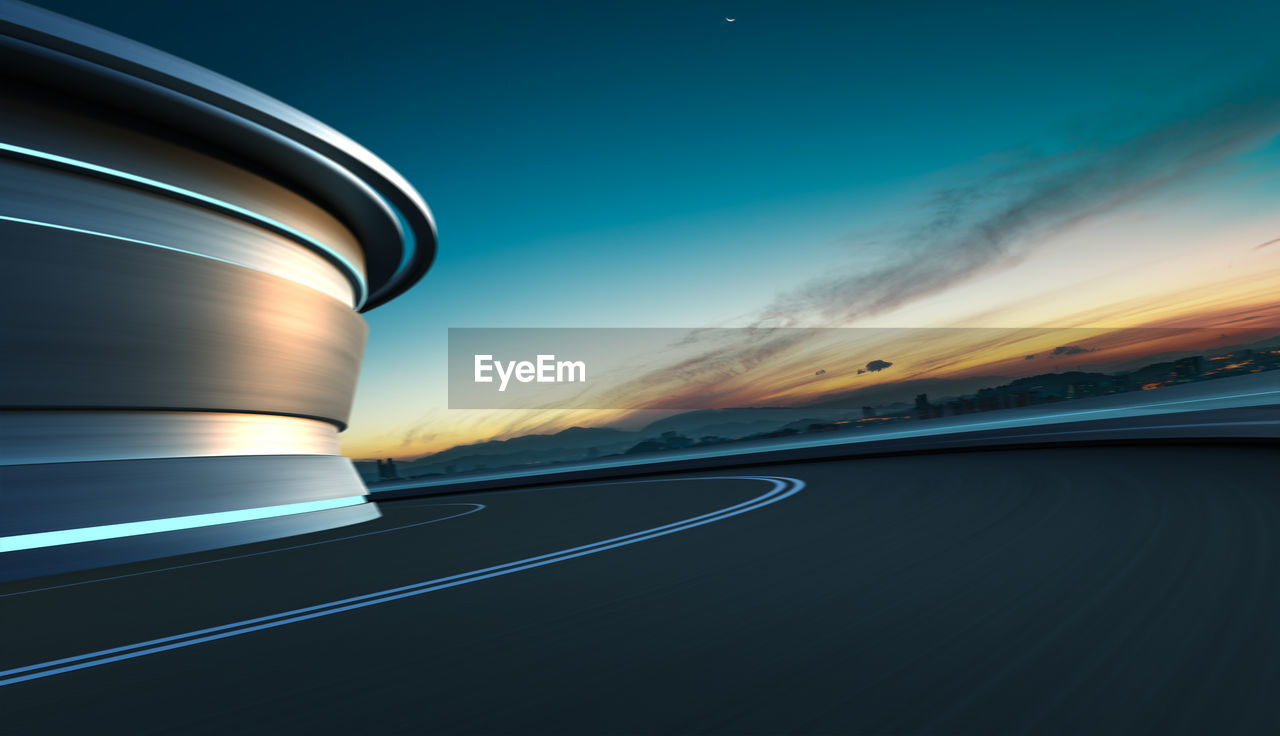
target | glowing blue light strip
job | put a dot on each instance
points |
(177, 523)
(783, 488)
(409, 243)
(353, 274)
(474, 508)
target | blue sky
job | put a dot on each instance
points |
(649, 164)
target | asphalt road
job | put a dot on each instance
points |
(1077, 590)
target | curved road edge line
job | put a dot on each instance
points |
(783, 488)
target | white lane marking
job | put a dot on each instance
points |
(474, 508)
(783, 487)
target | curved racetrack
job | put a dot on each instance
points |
(1084, 590)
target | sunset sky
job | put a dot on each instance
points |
(1032, 166)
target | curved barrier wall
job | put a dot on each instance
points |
(182, 266)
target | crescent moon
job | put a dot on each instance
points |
(731, 19)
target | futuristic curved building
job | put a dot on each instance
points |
(183, 263)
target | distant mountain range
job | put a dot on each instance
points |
(710, 426)
(581, 443)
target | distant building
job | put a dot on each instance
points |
(925, 410)
(387, 470)
(868, 412)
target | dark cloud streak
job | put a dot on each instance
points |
(996, 219)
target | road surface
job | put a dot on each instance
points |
(1130, 589)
